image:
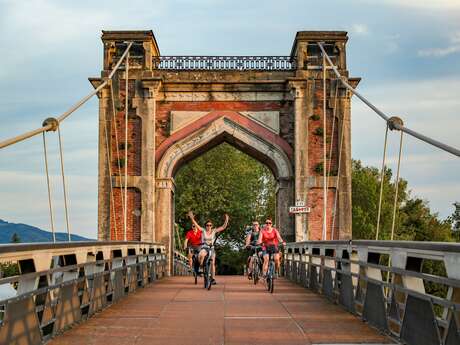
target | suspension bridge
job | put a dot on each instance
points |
(292, 113)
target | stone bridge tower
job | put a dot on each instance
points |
(269, 107)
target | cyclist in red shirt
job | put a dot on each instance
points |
(193, 243)
(270, 238)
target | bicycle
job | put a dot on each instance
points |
(195, 264)
(256, 265)
(196, 267)
(271, 272)
(207, 268)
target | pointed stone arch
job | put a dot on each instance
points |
(212, 130)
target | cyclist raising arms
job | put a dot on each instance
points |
(251, 241)
(207, 239)
(270, 238)
(193, 242)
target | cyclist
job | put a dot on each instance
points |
(208, 237)
(251, 241)
(193, 243)
(270, 238)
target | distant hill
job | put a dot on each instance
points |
(28, 233)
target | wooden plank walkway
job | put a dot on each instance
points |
(175, 311)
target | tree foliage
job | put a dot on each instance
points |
(15, 238)
(225, 180)
(414, 220)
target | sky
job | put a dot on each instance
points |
(406, 52)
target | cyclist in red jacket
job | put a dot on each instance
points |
(193, 243)
(270, 238)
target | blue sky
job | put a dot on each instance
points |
(406, 52)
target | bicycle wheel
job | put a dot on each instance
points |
(206, 275)
(255, 271)
(270, 275)
(269, 282)
(210, 275)
(195, 270)
(272, 285)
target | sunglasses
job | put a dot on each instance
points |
(208, 225)
(268, 222)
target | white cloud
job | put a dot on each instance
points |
(453, 48)
(424, 4)
(360, 29)
(24, 199)
(429, 107)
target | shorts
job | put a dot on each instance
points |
(271, 249)
(208, 249)
(253, 250)
(193, 249)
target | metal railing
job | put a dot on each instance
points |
(410, 290)
(181, 267)
(59, 285)
(222, 63)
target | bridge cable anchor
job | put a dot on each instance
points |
(51, 121)
(395, 123)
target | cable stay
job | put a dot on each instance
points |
(392, 123)
(66, 114)
(53, 124)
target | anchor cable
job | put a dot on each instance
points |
(50, 204)
(382, 178)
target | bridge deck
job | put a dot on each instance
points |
(173, 311)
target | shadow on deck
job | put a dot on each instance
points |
(174, 311)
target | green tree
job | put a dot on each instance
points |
(15, 238)
(414, 219)
(225, 180)
(8, 269)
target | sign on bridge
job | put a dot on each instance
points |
(299, 209)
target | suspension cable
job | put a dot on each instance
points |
(338, 176)
(109, 164)
(125, 215)
(339, 158)
(324, 236)
(66, 209)
(397, 126)
(382, 178)
(49, 189)
(118, 155)
(396, 187)
(333, 128)
(61, 118)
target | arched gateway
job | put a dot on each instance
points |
(270, 107)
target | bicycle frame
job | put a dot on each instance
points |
(207, 269)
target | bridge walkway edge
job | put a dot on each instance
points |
(174, 311)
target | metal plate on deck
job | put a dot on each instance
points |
(118, 285)
(145, 273)
(68, 309)
(374, 306)
(328, 288)
(313, 281)
(303, 274)
(132, 279)
(419, 324)
(48, 311)
(152, 272)
(98, 296)
(20, 325)
(453, 334)
(346, 297)
(394, 309)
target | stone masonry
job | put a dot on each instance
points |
(177, 113)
